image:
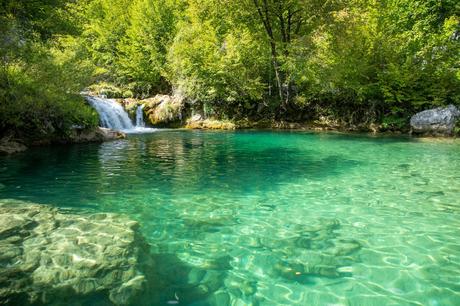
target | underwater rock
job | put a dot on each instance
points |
(48, 256)
(240, 286)
(220, 298)
(317, 251)
(437, 121)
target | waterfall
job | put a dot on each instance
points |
(113, 116)
(140, 116)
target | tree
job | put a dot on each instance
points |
(285, 21)
(143, 50)
(215, 60)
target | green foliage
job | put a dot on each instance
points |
(394, 123)
(128, 41)
(108, 90)
(40, 98)
(359, 60)
(43, 68)
(457, 128)
(143, 49)
(216, 62)
(392, 58)
(354, 61)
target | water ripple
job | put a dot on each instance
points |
(270, 218)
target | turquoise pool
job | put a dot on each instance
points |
(270, 218)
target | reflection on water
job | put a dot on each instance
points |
(270, 218)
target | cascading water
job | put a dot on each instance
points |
(113, 116)
(140, 116)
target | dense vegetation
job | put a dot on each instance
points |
(355, 61)
(43, 69)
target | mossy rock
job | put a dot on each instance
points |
(210, 124)
(163, 110)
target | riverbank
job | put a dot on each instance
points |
(173, 111)
(15, 144)
(164, 111)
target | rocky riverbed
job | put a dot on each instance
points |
(55, 257)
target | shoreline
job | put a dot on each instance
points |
(17, 145)
(13, 144)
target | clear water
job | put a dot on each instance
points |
(270, 218)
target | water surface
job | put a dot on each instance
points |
(270, 218)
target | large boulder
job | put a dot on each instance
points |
(130, 105)
(53, 257)
(438, 121)
(164, 110)
(160, 110)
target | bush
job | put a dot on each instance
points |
(39, 91)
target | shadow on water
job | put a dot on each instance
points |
(175, 162)
(175, 282)
(231, 164)
(52, 174)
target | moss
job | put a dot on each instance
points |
(130, 105)
(211, 124)
(128, 94)
(456, 131)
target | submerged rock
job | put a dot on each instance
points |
(438, 121)
(318, 250)
(51, 257)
